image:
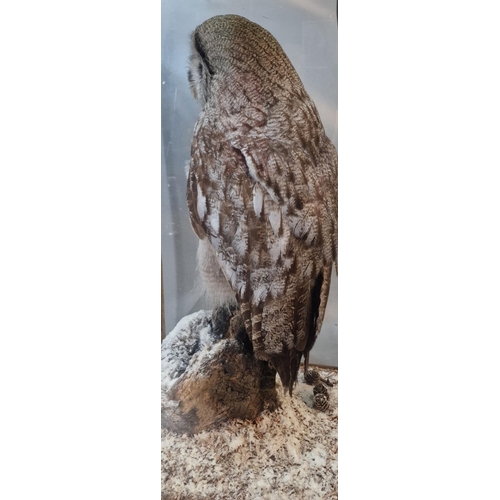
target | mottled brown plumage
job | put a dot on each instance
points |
(262, 189)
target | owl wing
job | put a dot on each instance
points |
(287, 153)
(271, 218)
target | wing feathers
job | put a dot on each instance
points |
(272, 217)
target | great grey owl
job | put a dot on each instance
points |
(262, 189)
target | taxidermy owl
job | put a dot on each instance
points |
(262, 189)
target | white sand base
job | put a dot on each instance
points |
(290, 453)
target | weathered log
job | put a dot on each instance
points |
(209, 373)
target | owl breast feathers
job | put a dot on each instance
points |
(262, 189)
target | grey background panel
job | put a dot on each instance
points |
(307, 31)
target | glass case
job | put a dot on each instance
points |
(307, 31)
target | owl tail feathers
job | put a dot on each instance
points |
(287, 365)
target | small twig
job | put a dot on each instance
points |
(326, 381)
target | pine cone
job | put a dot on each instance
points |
(311, 377)
(321, 389)
(321, 402)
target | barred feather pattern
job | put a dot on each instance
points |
(262, 188)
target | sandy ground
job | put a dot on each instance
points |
(290, 453)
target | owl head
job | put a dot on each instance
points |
(232, 47)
